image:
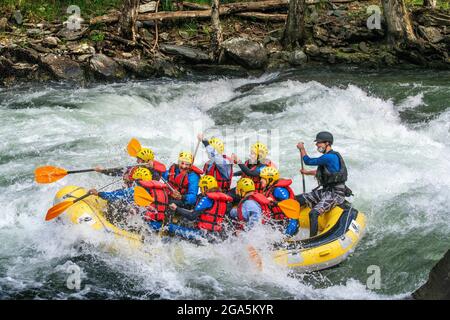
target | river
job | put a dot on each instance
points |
(393, 128)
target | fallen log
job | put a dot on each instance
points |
(276, 17)
(204, 11)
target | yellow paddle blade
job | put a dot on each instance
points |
(290, 207)
(133, 147)
(49, 174)
(56, 210)
(141, 197)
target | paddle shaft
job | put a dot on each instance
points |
(303, 176)
(195, 152)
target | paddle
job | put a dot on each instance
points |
(141, 197)
(49, 174)
(303, 176)
(133, 147)
(290, 207)
(59, 208)
(56, 210)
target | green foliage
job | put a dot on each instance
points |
(97, 36)
(191, 28)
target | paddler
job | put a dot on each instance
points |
(219, 165)
(331, 173)
(208, 213)
(252, 207)
(183, 177)
(145, 157)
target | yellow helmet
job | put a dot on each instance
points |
(142, 174)
(260, 149)
(217, 144)
(244, 186)
(270, 174)
(185, 156)
(145, 154)
(207, 183)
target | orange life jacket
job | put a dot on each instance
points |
(212, 219)
(180, 182)
(263, 203)
(223, 183)
(159, 192)
(277, 213)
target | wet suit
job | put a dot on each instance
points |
(224, 165)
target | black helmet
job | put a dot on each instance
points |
(324, 136)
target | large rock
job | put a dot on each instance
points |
(106, 68)
(245, 52)
(432, 34)
(62, 67)
(297, 57)
(438, 284)
(189, 54)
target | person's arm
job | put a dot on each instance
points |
(222, 163)
(237, 173)
(204, 204)
(115, 172)
(165, 175)
(121, 194)
(191, 196)
(251, 173)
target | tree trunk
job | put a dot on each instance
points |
(294, 30)
(127, 19)
(399, 28)
(429, 3)
(216, 35)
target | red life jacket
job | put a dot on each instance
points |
(211, 219)
(277, 213)
(180, 182)
(157, 167)
(159, 192)
(263, 203)
(256, 180)
(224, 184)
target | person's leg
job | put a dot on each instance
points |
(327, 202)
(309, 199)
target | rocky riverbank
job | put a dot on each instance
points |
(335, 34)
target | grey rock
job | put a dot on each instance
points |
(105, 68)
(432, 34)
(62, 67)
(70, 35)
(312, 50)
(80, 48)
(363, 47)
(437, 286)
(245, 52)
(297, 57)
(51, 42)
(34, 33)
(190, 54)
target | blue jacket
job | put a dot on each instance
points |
(330, 161)
(126, 195)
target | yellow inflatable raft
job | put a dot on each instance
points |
(90, 211)
(339, 232)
